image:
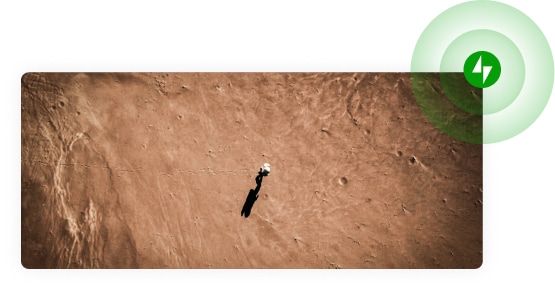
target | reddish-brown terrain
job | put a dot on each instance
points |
(152, 170)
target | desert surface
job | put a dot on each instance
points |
(160, 170)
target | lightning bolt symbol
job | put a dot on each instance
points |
(478, 68)
(485, 70)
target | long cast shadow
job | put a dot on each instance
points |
(252, 197)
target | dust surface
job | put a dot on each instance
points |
(155, 170)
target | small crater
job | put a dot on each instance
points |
(343, 180)
(335, 266)
(367, 132)
(180, 116)
(399, 153)
(412, 160)
(78, 113)
(61, 104)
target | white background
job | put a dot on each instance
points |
(376, 36)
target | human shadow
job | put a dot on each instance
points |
(252, 196)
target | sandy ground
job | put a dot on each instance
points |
(132, 170)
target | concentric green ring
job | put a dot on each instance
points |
(505, 91)
(501, 123)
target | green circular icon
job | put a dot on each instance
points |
(505, 90)
(482, 69)
(465, 47)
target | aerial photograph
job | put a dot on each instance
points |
(277, 170)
